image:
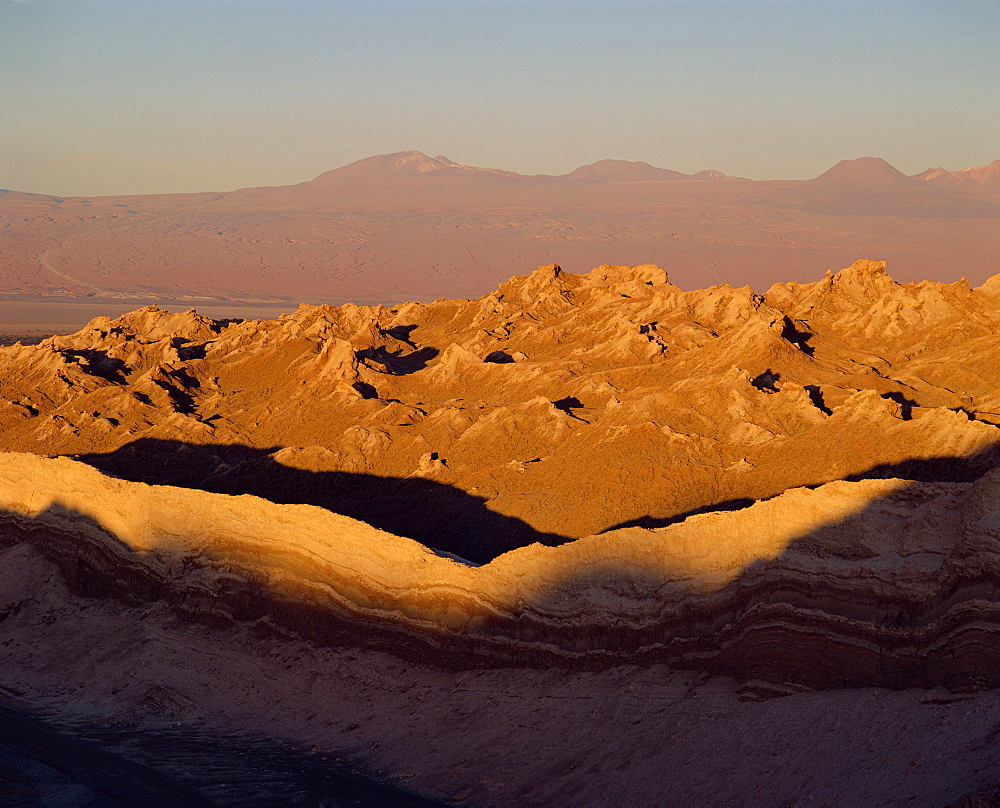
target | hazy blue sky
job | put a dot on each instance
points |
(138, 96)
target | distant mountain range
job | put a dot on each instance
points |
(863, 173)
(415, 163)
(980, 180)
(411, 178)
(871, 185)
(409, 226)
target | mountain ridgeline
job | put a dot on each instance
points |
(407, 226)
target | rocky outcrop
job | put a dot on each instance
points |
(566, 404)
(879, 582)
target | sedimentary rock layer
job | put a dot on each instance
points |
(793, 486)
(877, 582)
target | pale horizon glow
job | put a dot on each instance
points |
(165, 96)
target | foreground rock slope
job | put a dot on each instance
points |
(590, 539)
(880, 582)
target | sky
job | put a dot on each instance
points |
(162, 96)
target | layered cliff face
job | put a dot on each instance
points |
(536, 548)
(878, 582)
(576, 469)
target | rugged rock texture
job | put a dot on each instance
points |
(557, 407)
(611, 408)
(507, 736)
(796, 490)
(880, 582)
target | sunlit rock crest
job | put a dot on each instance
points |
(879, 582)
(621, 421)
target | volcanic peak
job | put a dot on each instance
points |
(624, 171)
(405, 162)
(867, 173)
(414, 163)
(404, 165)
(978, 180)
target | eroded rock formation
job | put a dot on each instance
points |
(610, 406)
(574, 501)
(878, 582)
(557, 407)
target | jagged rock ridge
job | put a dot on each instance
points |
(557, 407)
(601, 412)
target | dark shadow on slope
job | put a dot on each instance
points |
(98, 363)
(398, 364)
(964, 469)
(124, 781)
(498, 358)
(944, 469)
(821, 613)
(367, 391)
(567, 405)
(437, 515)
(767, 382)
(262, 772)
(906, 405)
(176, 384)
(798, 337)
(816, 397)
(169, 767)
(652, 522)
(402, 333)
(187, 351)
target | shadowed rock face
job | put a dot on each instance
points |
(719, 469)
(880, 582)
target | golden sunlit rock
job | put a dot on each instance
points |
(702, 497)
